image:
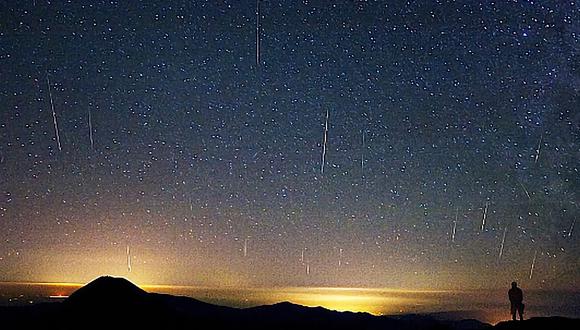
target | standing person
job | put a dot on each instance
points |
(516, 299)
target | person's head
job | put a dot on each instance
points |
(514, 285)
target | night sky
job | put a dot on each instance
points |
(320, 143)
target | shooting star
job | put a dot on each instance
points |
(362, 157)
(484, 216)
(340, 257)
(324, 143)
(90, 119)
(302, 257)
(539, 148)
(128, 258)
(571, 228)
(54, 121)
(454, 226)
(258, 36)
(307, 268)
(502, 243)
(533, 264)
(245, 247)
(525, 190)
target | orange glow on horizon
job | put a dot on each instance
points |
(60, 284)
(487, 306)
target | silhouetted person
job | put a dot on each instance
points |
(516, 299)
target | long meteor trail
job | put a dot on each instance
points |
(502, 243)
(129, 258)
(90, 119)
(324, 142)
(54, 121)
(484, 216)
(525, 190)
(539, 148)
(533, 264)
(454, 226)
(362, 157)
(258, 37)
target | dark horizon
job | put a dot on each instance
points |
(484, 305)
(120, 300)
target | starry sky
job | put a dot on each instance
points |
(399, 144)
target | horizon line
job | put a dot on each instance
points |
(332, 288)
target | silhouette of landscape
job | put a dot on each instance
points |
(114, 303)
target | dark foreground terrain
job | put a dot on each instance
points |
(114, 303)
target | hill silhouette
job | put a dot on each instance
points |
(115, 303)
(107, 291)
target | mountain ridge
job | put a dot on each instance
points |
(115, 303)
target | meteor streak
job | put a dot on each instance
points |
(258, 36)
(128, 258)
(362, 157)
(533, 264)
(91, 130)
(539, 149)
(525, 190)
(502, 243)
(324, 143)
(484, 216)
(454, 226)
(54, 121)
